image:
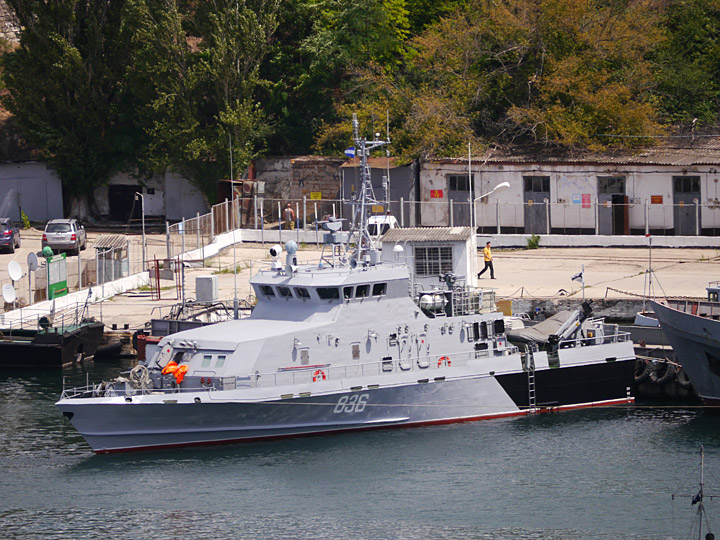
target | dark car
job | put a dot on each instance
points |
(64, 235)
(9, 235)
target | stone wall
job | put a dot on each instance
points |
(9, 25)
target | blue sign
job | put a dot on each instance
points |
(350, 152)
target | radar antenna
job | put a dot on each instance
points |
(359, 234)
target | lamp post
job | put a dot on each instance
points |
(502, 186)
(142, 209)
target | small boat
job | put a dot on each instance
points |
(692, 327)
(50, 345)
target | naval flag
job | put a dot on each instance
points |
(697, 498)
(578, 277)
(350, 152)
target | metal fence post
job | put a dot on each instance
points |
(227, 216)
(297, 224)
(402, 212)
(451, 214)
(317, 238)
(547, 216)
(647, 218)
(597, 217)
(304, 212)
(212, 221)
(279, 222)
(497, 215)
(697, 217)
(262, 221)
(167, 239)
(255, 219)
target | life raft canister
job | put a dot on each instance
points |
(319, 375)
(170, 367)
(445, 360)
(180, 373)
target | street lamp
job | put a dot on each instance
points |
(502, 186)
(142, 208)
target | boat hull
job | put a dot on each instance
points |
(218, 418)
(696, 343)
(49, 349)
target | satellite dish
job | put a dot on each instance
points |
(8, 293)
(15, 272)
(32, 261)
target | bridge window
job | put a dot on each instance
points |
(302, 292)
(285, 292)
(267, 290)
(328, 293)
(347, 293)
(220, 361)
(206, 360)
(362, 291)
(379, 289)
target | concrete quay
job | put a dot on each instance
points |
(540, 278)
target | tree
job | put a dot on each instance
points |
(558, 72)
(64, 85)
(688, 72)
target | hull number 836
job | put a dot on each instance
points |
(351, 404)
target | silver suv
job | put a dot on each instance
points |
(64, 235)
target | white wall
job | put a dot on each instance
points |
(33, 187)
(568, 183)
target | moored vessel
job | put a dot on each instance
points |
(351, 343)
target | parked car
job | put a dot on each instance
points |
(65, 235)
(9, 235)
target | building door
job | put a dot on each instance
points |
(459, 193)
(537, 189)
(613, 209)
(122, 202)
(685, 190)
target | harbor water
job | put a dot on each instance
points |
(605, 473)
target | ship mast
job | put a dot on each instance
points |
(365, 249)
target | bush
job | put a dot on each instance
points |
(25, 220)
(533, 242)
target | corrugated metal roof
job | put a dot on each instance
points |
(110, 241)
(428, 234)
(673, 151)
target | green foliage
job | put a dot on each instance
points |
(688, 72)
(64, 86)
(533, 242)
(25, 220)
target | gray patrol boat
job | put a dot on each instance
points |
(352, 343)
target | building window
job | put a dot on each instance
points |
(537, 184)
(611, 185)
(458, 182)
(433, 261)
(686, 184)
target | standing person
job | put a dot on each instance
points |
(487, 255)
(289, 216)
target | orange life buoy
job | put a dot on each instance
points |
(170, 367)
(180, 373)
(445, 359)
(319, 375)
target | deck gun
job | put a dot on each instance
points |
(570, 326)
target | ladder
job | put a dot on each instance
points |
(532, 400)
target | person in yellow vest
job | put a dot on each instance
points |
(487, 255)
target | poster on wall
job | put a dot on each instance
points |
(576, 198)
(586, 200)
